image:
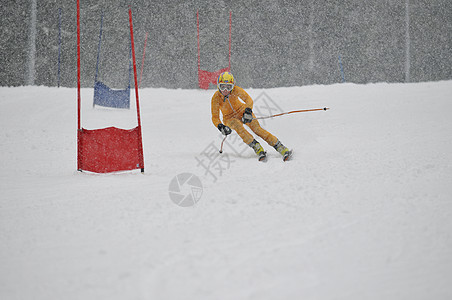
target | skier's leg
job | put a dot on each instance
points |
(264, 134)
(269, 138)
(245, 135)
(258, 150)
(283, 150)
(241, 131)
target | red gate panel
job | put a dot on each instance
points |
(110, 150)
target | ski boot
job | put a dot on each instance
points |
(283, 150)
(262, 155)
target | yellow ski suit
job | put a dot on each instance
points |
(232, 109)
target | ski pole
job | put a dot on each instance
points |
(291, 112)
(221, 148)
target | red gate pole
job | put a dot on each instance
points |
(140, 143)
(78, 63)
(78, 91)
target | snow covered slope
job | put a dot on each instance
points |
(363, 211)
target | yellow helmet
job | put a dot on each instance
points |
(225, 81)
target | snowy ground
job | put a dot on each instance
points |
(364, 211)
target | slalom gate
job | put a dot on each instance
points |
(109, 149)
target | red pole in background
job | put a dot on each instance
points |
(142, 61)
(230, 38)
(199, 51)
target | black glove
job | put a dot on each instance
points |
(247, 116)
(225, 130)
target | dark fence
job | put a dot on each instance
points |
(274, 43)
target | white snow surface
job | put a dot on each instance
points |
(363, 211)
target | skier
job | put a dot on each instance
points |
(236, 113)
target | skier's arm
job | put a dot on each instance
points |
(248, 113)
(215, 107)
(245, 97)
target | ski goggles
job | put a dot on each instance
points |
(226, 86)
